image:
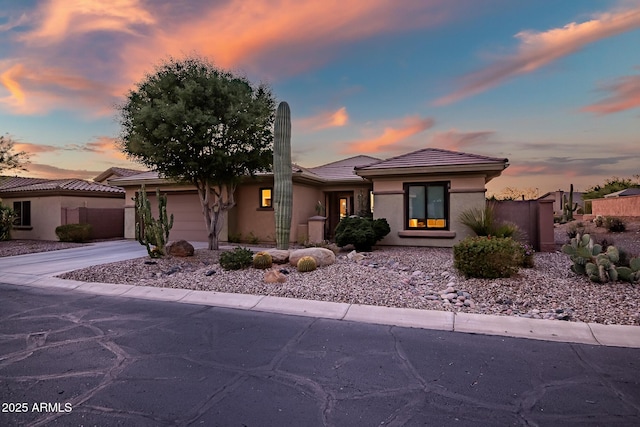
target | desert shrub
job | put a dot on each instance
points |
(487, 257)
(599, 221)
(483, 223)
(77, 233)
(527, 252)
(360, 232)
(614, 224)
(237, 259)
(234, 237)
(7, 215)
(574, 229)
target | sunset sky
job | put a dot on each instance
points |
(552, 85)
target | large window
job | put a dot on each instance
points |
(23, 214)
(265, 197)
(427, 206)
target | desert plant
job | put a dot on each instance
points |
(599, 221)
(487, 257)
(527, 255)
(568, 206)
(574, 229)
(615, 224)
(282, 183)
(236, 259)
(483, 223)
(306, 263)
(7, 216)
(252, 238)
(581, 250)
(234, 237)
(151, 231)
(360, 232)
(631, 273)
(262, 260)
(78, 233)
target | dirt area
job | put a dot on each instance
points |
(629, 240)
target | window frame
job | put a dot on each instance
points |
(261, 198)
(23, 220)
(446, 185)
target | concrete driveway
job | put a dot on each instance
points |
(57, 262)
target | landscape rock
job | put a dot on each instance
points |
(274, 276)
(279, 256)
(181, 248)
(322, 256)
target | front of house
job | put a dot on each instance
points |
(420, 194)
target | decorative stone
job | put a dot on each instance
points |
(274, 276)
(322, 256)
(416, 273)
(210, 273)
(449, 290)
(279, 256)
(451, 296)
(181, 248)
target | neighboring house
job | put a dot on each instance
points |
(557, 197)
(624, 193)
(115, 172)
(420, 194)
(43, 204)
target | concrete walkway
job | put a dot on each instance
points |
(37, 270)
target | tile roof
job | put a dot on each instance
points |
(116, 172)
(19, 184)
(431, 157)
(343, 169)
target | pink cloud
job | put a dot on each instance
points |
(324, 120)
(60, 19)
(391, 136)
(625, 95)
(35, 148)
(538, 49)
(460, 141)
(39, 170)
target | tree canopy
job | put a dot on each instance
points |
(610, 185)
(195, 123)
(9, 159)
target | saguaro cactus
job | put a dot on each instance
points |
(282, 184)
(569, 207)
(151, 231)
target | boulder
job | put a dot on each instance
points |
(321, 255)
(279, 256)
(181, 248)
(274, 276)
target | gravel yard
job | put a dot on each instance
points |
(422, 278)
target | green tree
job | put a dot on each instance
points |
(610, 185)
(197, 124)
(10, 159)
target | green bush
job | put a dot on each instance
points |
(236, 259)
(487, 257)
(77, 233)
(614, 224)
(360, 232)
(7, 217)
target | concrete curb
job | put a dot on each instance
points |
(538, 329)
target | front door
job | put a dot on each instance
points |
(339, 205)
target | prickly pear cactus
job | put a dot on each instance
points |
(581, 250)
(262, 260)
(632, 273)
(306, 263)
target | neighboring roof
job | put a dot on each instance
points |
(40, 186)
(435, 160)
(116, 172)
(625, 192)
(343, 170)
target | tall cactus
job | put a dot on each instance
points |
(151, 231)
(282, 184)
(568, 207)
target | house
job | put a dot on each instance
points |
(419, 193)
(558, 197)
(115, 172)
(43, 204)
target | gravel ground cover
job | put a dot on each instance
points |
(422, 278)
(21, 247)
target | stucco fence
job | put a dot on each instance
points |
(106, 223)
(533, 217)
(625, 206)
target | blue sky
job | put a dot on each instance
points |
(553, 86)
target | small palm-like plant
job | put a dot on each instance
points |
(483, 223)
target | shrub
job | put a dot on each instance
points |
(615, 224)
(487, 257)
(483, 223)
(237, 259)
(599, 221)
(7, 216)
(574, 229)
(77, 233)
(527, 255)
(234, 237)
(362, 233)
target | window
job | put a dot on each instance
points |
(265, 197)
(23, 214)
(344, 207)
(427, 206)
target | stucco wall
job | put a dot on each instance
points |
(465, 192)
(188, 221)
(46, 213)
(617, 206)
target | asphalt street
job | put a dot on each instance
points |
(70, 358)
